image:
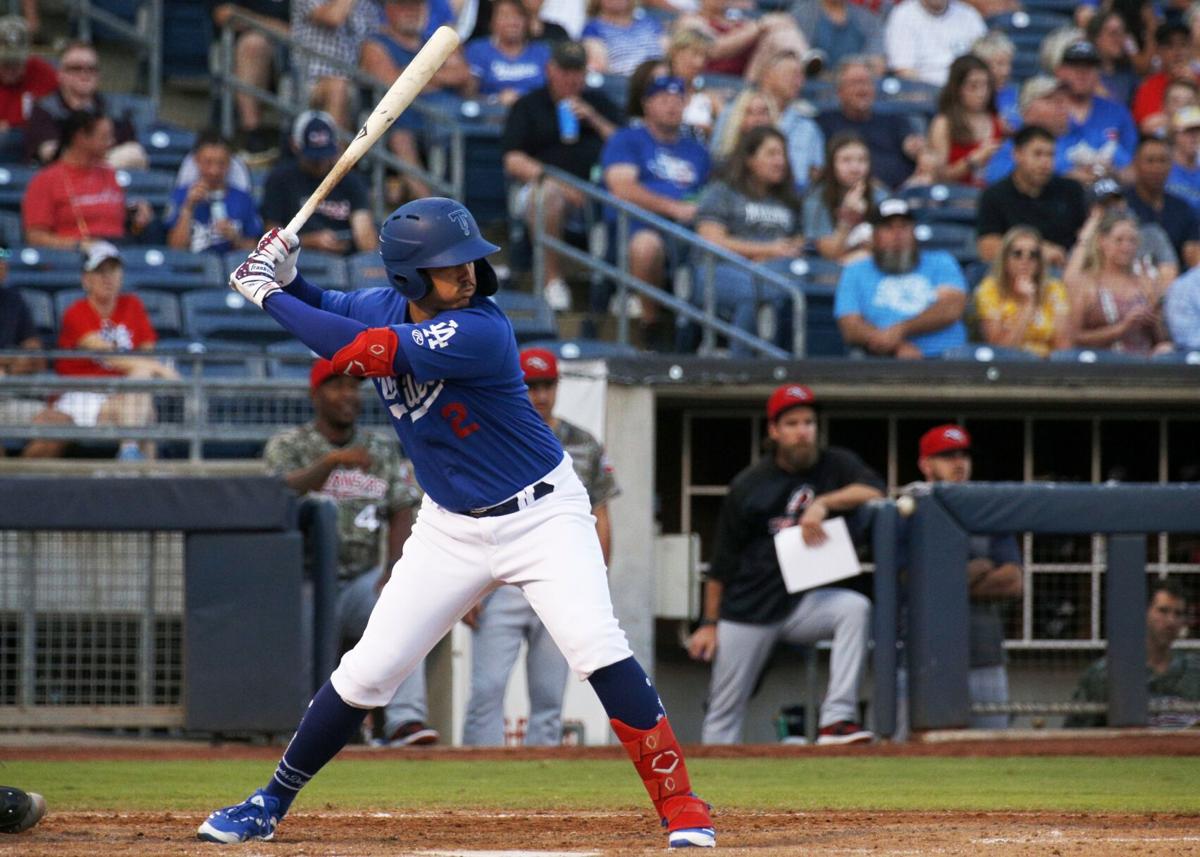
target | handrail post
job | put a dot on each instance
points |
(623, 267)
(799, 321)
(155, 36)
(227, 60)
(539, 231)
(708, 339)
(85, 21)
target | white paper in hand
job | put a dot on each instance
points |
(806, 567)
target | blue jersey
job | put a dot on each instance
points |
(677, 170)
(239, 208)
(496, 71)
(1109, 134)
(463, 414)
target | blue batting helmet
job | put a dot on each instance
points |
(433, 233)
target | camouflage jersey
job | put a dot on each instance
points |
(366, 500)
(1180, 683)
(591, 462)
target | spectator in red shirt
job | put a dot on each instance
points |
(106, 320)
(741, 44)
(76, 199)
(1174, 62)
(23, 79)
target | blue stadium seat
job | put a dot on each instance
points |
(226, 317)
(957, 239)
(950, 203)
(162, 309)
(139, 109)
(989, 354)
(166, 146)
(530, 315)
(615, 86)
(162, 268)
(1094, 355)
(13, 181)
(290, 358)
(584, 349)
(1028, 29)
(154, 186)
(10, 229)
(1186, 357)
(41, 309)
(367, 271)
(1026, 63)
(220, 360)
(324, 270)
(44, 268)
(818, 278)
(1065, 8)
(817, 275)
(728, 85)
(897, 95)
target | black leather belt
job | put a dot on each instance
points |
(513, 504)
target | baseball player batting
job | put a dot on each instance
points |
(502, 502)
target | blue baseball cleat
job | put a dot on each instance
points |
(254, 818)
(692, 837)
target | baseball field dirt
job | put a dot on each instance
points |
(336, 828)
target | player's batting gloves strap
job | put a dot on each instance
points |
(283, 249)
(255, 279)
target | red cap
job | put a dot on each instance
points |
(538, 364)
(789, 396)
(320, 372)
(947, 438)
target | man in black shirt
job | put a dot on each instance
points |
(747, 608)
(533, 138)
(1148, 198)
(1032, 196)
(342, 222)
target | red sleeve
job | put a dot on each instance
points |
(43, 78)
(1148, 99)
(139, 323)
(37, 208)
(75, 325)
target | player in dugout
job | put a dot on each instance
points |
(502, 504)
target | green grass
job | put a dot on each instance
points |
(1162, 784)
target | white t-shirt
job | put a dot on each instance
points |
(913, 38)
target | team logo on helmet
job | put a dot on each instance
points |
(463, 218)
(955, 435)
(537, 363)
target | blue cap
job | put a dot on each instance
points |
(314, 135)
(665, 83)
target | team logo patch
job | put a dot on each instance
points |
(418, 336)
(438, 335)
(537, 363)
(463, 218)
(955, 435)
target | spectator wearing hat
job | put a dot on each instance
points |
(1173, 42)
(903, 301)
(994, 576)
(533, 140)
(79, 89)
(1101, 136)
(504, 619)
(106, 320)
(336, 29)
(376, 496)
(1043, 102)
(23, 78)
(1032, 195)
(342, 222)
(655, 166)
(922, 37)
(747, 609)
(843, 29)
(76, 199)
(1148, 198)
(890, 137)
(209, 214)
(1184, 178)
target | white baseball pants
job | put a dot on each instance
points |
(549, 550)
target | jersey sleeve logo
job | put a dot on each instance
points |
(438, 335)
(418, 336)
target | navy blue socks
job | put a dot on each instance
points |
(627, 694)
(327, 726)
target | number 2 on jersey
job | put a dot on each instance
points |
(456, 414)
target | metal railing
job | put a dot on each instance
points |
(147, 37)
(706, 257)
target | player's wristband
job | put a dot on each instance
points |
(705, 622)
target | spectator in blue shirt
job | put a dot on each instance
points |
(209, 214)
(902, 302)
(1182, 311)
(1043, 103)
(658, 167)
(619, 35)
(1148, 198)
(1184, 178)
(506, 65)
(1102, 135)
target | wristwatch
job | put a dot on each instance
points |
(705, 622)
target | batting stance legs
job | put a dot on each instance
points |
(450, 561)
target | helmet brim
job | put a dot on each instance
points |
(469, 250)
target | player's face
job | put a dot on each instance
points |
(338, 401)
(952, 466)
(542, 395)
(795, 437)
(1164, 619)
(453, 288)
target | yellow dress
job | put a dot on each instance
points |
(992, 305)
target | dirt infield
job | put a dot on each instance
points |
(331, 833)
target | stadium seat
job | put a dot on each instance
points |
(1094, 355)
(290, 358)
(585, 349)
(897, 95)
(154, 186)
(615, 86)
(162, 309)
(989, 354)
(13, 181)
(324, 270)
(957, 239)
(44, 268)
(166, 146)
(367, 271)
(1026, 63)
(948, 203)
(818, 275)
(10, 229)
(41, 309)
(165, 269)
(818, 278)
(1028, 29)
(217, 360)
(1187, 357)
(531, 316)
(227, 317)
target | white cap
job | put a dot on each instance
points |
(98, 253)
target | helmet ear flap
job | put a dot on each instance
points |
(486, 281)
(413, 283)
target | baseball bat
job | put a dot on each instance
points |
(408, 85)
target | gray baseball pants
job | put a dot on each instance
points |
(840, 615)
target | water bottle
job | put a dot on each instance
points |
(216, 206)
(568, 123)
